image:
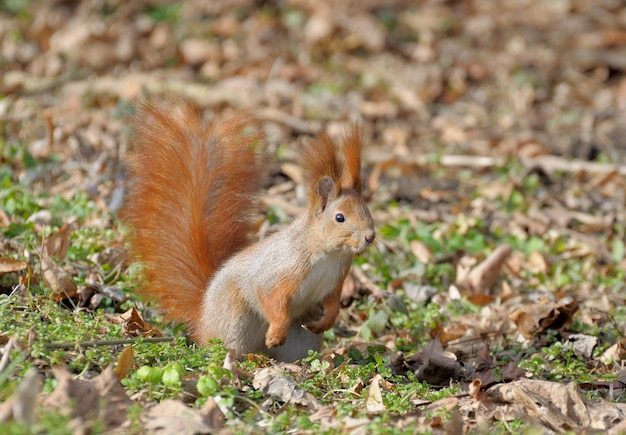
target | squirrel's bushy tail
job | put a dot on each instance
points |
(192, 200)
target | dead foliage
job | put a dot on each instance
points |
(511, 114)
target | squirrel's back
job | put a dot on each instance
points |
(192, 200)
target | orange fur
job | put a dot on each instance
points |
(185, 230)
(342, 165)
(275, 306)
(320, 160)
(331, 308)
(351, 174)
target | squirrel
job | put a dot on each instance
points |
(191, 203)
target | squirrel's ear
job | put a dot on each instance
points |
(326, 191)
(351, 171)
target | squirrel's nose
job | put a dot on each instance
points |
(369, 237)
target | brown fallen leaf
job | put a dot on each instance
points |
(4, 219)
(230, 364)
(213, 415)
(357, 283)
(62, 286)
(358, 386)
(101, 398)
(483, 360)
(91, 295)
(450, 332)
(482, 277)
(480, 299)
(8, 265)
(616, 352)
(374, 400)
(534, 319)
(581, 344)
(436, 366)
(489, 371)
(58, 243)
(272, 382)
(421, 251)
(21, 407)
(455, 424)
(124, 363)
(135, 326)
(475, 388)
(174, 417)
(537, 263)
(326, 417)
(553, 406)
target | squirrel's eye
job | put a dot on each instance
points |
(340, 217)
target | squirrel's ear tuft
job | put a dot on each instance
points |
(321, 165)
(326, 191)
(351, 171)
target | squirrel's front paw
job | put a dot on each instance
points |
(276, 335)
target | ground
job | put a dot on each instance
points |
(493, 299)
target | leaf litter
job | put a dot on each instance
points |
(499, 119)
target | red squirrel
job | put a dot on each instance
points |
(192, 202)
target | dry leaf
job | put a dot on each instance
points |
(418, 293)
(483, 360)
(21, 407)
(4, 219)
(475, 388)
(357, 283)
(366, 31)
(8, 265)
(374, 401)
(421, 251)
(136, 326)
(124, 363)
(615, 353)
(114, 256)
(174, 417)
(482, 277)
(92, 295)
(450, 332)
(58, 243)
(435, 366)
(581, 344)
(455, 424)
(535, 318)
(480, 299)
(358, 386)
(326, 417)
(213, 415)
(498, 190)
(101, 398)
(62, 286)
(230, 363)
(319, 26)
(196, 51)
(554, 406)
(537, 263)
(272, 382)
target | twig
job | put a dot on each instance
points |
(7, 352)
(92, 343)
(297, 124)
(458, 341)
(548, 163)
(430, 402)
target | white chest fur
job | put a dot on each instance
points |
(321, 280)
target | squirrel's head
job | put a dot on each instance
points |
(338, 214)
(342, 218)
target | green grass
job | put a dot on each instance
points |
(181, 369)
